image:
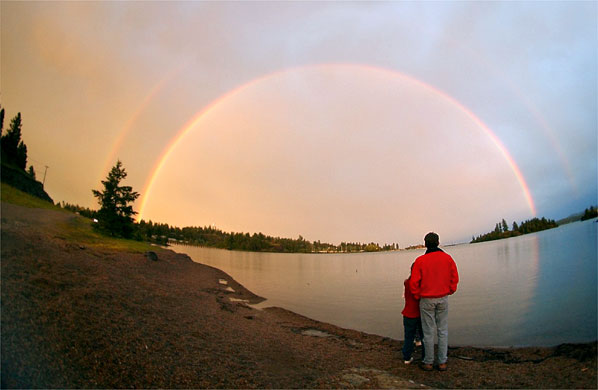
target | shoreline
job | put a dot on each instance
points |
(451, 346)
(368, 301)
(76, 313)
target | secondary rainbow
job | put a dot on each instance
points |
(128, 126)
(197, 118)
(533, 110)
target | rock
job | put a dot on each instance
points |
(151, 255)
(315, 333)
(355, 380)
(381, 379)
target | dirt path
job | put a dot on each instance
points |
(75, 315)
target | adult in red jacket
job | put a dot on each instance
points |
(434, 277)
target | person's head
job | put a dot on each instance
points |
(431, 240)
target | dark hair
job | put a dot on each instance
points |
(431, 240)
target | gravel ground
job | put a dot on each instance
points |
(78, 316)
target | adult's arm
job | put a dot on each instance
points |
(416, 278)
(454, 277)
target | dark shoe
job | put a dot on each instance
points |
(426, 367)
(442, 367)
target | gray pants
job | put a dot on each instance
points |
(434, 315)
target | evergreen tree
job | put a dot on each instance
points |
(1, 120)
(14, 150)
(116, 214)
(31, 172)
(505, 227)
(21, 158)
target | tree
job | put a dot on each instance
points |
(14, 151)
(21, 159)
(505, 227)
(1, 120)
(590, 213)
(116, 214)
(31, 172)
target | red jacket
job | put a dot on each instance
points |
(411, 309)
(434, 275)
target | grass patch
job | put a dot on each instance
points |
(81, 230)
(9, 194)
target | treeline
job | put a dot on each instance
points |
(84, 211)
(257, 242)
(208, 236)
(501, 230)
(590, 213)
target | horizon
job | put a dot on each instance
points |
(334, 121)
(381, 244)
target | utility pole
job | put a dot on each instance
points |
(44, 182)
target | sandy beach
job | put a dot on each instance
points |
(79, 314)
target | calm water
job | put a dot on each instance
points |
(538, 289)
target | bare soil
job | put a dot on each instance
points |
(78, 316)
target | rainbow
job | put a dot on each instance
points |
(128, 126)
(527, 103)
(197, 118)
(535, 113)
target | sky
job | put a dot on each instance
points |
(336, 121)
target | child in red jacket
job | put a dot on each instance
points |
(411, 322)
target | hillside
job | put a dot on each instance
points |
(19, 179)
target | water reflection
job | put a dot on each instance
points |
(498, 283)
(520, 291)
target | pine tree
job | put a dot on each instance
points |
(21, 157)
(116, 214)
(14, 150)
(1, 120)
(31, 172)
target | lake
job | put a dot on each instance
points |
(538, 289)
